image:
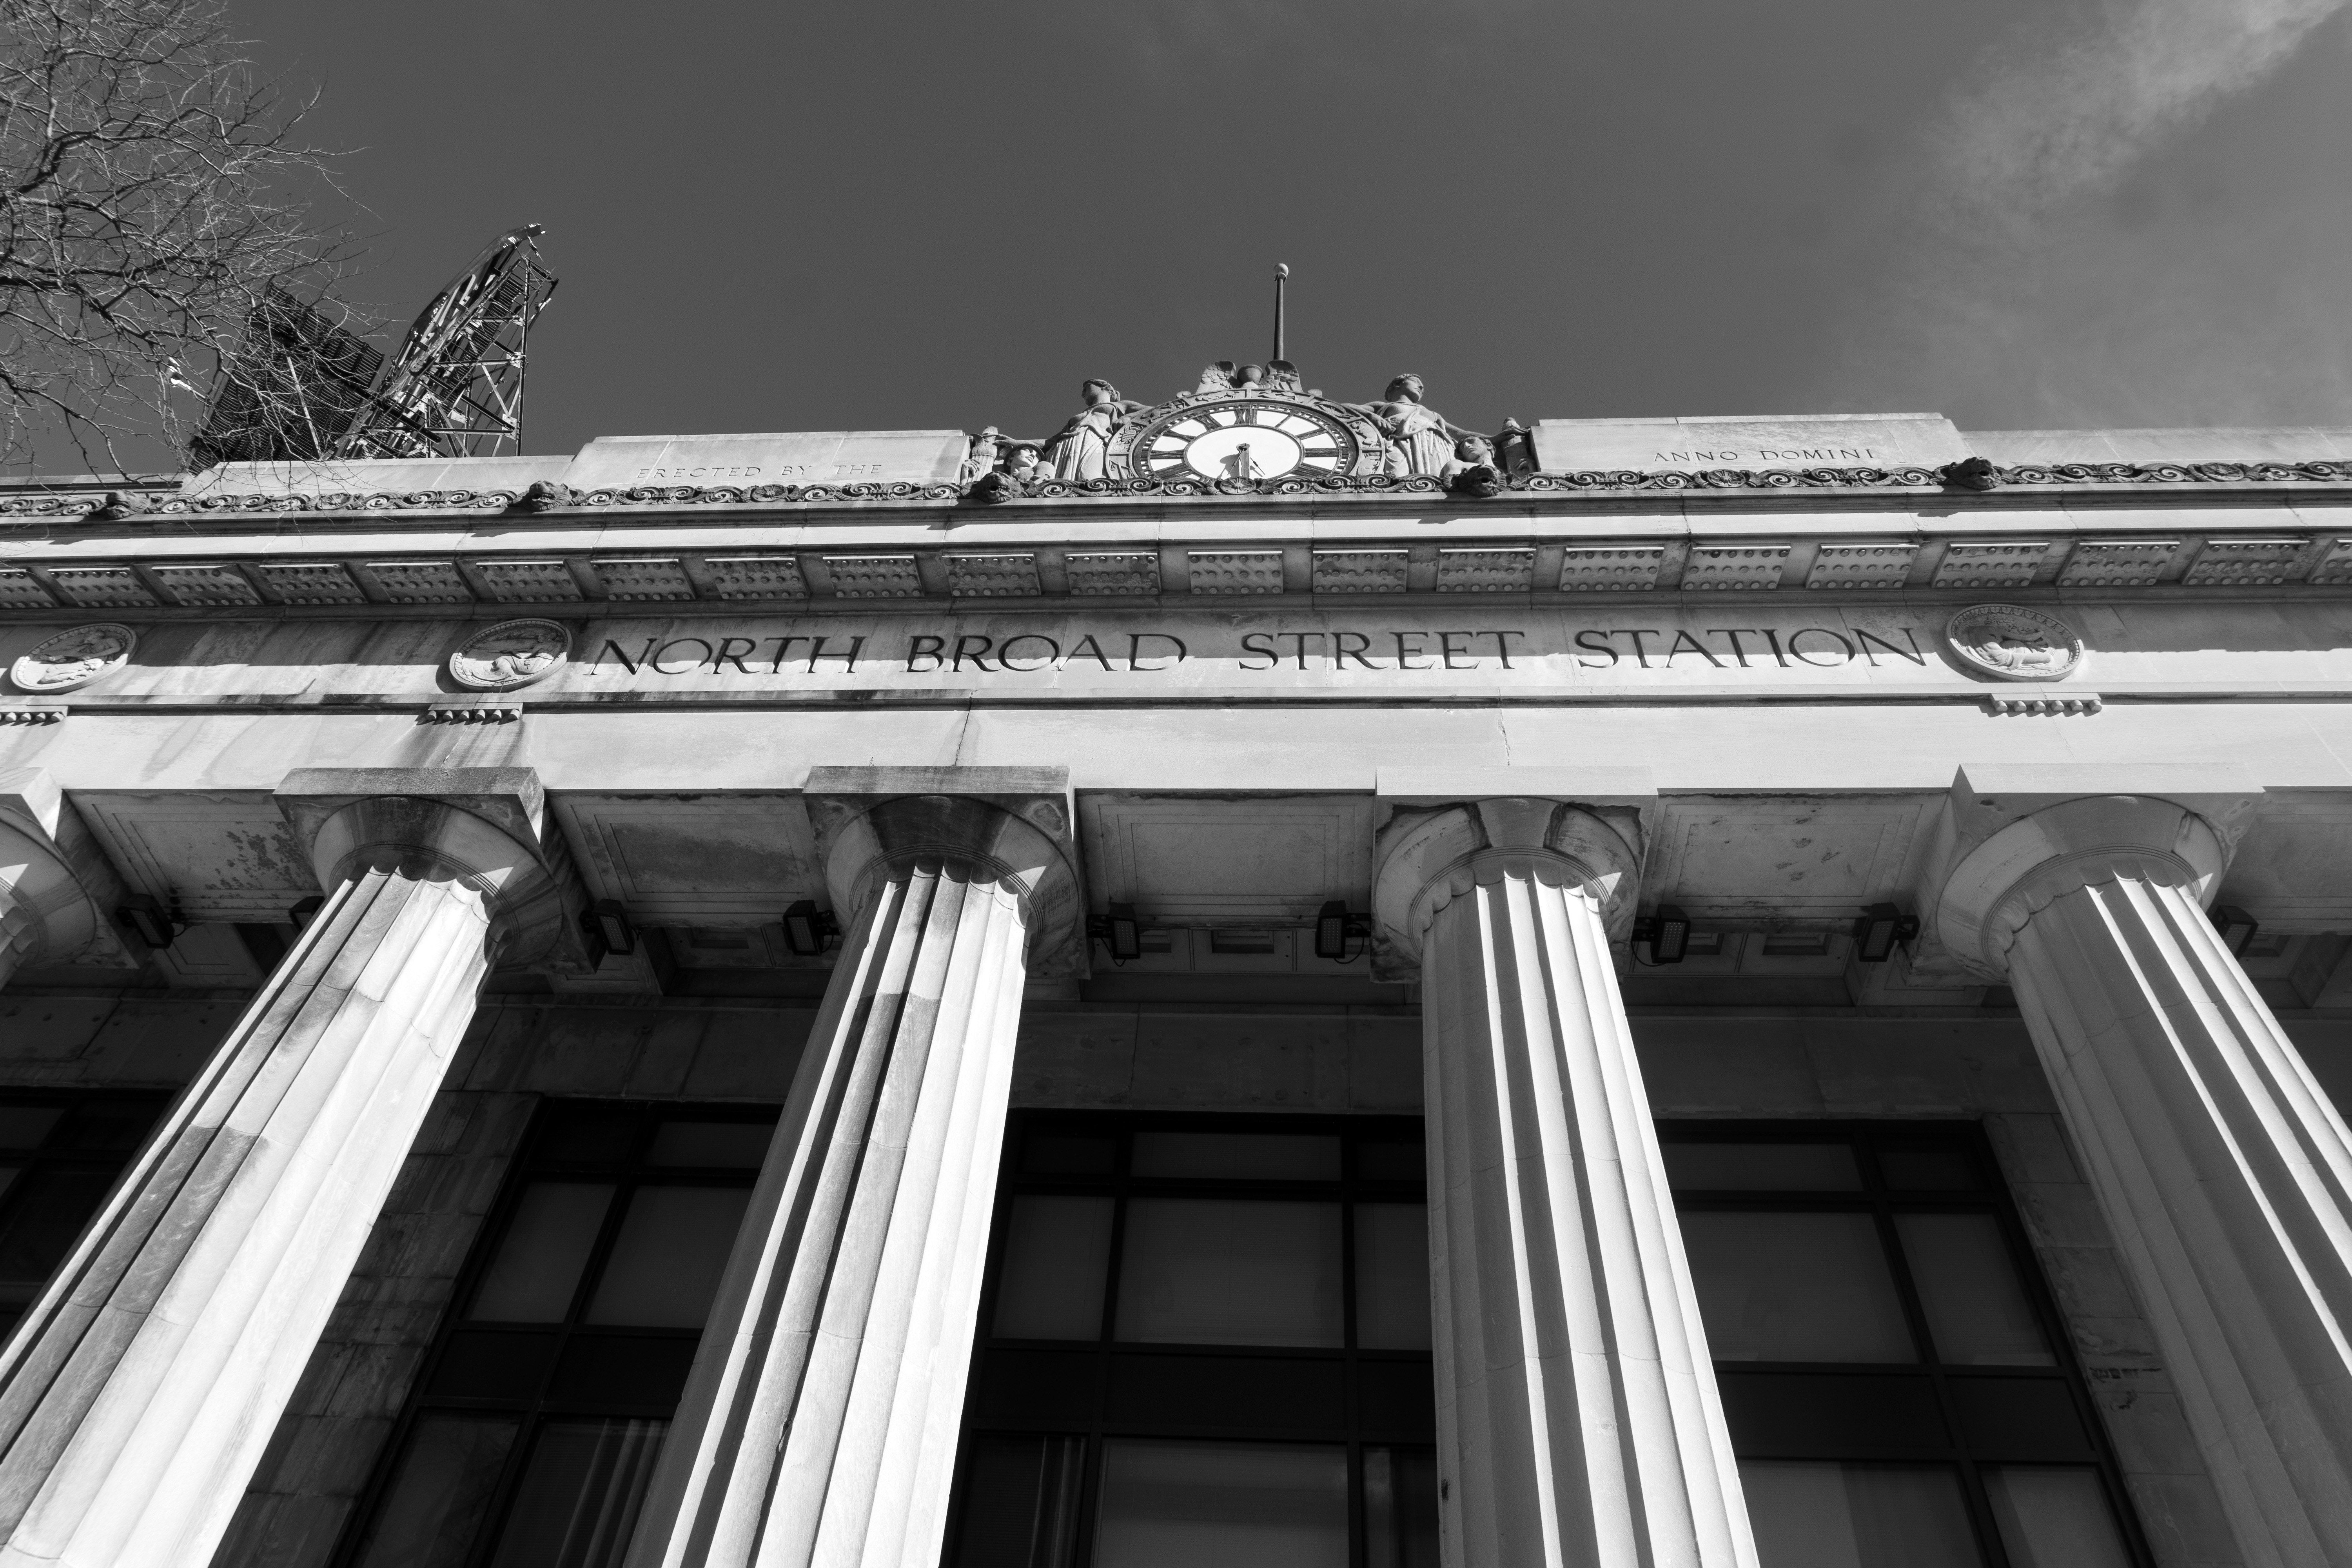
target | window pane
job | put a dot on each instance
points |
(24, 1126)
(1857, 1515)
(434, 1506)
(591, 1134)
(1392, 1277)
(1239, 1156)
(580, 1498)
(1762, 1167)
(2054, 1517)
(1200, 1271)
(1236, 1505)
(1021, 1504)
(1392, 1161)
(1068, 1154)
(666, 1261)
(115, 1126)
(1929, 1170)
(1399, 1508)
(539, 1260)
(1056, 1253)
(1794, 1287)
(51, 1208)
(736, 1145)
(1977, 1311)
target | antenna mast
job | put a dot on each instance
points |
(1281, 276)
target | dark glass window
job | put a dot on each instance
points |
(534, 1429)
(61, 1154)
(1897, 1381)
(1205, 1340)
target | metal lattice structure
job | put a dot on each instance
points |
(293, 392)
(456, 390)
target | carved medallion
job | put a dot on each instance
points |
(510, 654)
(2011, 642)
(74, 659)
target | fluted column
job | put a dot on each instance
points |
(2224, 1171)
(53, 881)
(1577, 1417)
(821, 1420)
(138, 1395)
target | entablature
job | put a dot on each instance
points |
(2002, 542)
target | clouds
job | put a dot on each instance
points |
(2121, 212)
(2058, 111)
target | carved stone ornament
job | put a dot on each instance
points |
(74, 659)
(510, 654)
(2011, 642)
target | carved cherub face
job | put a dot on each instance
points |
(1475, 450)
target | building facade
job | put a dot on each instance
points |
(1265, 980)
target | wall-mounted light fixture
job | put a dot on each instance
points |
(1335, 928)
(302, 911)
(610, 921)
(808, 929)
(1667, 932)
(1118, 930)
(150, 921)
(1881, 930)
(2236, 926)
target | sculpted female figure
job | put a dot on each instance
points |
(1080, 447)
(1421, 440)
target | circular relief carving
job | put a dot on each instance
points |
(2011, 642)
(510, 654)
(74, 659)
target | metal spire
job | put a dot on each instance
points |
(1281, 274)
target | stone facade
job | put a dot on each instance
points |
(835, 774)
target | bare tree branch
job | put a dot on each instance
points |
(153, 188)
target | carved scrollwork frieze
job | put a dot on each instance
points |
(1000, 487)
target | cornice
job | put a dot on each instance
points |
(1958, 478)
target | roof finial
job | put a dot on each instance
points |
(1281, 275)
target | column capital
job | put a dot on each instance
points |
(484, 827)
(2024, 865)
(57, 890)
(1013, 824)
(1427, 857)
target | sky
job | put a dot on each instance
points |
(2024, 214)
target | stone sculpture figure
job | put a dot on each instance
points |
(1421, 440)
(1218, 377)
(1281, 375)
(1079, 450)
(1473, 471)
(985, 451)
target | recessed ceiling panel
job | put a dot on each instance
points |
(1232, 860)
(1804, 858)
(225, 856)
(694, 858)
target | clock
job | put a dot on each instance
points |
(1243, 439)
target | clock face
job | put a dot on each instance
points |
(1244, 439)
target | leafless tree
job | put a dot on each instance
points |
(154, 185)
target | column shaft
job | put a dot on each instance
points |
(2226, 1174)
(137, 1396)
(1578, 1417)
(821, 1420)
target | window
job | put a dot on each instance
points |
(59, 1156)
(534, 1429)
(1205, 1340)
(1896, 1381)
